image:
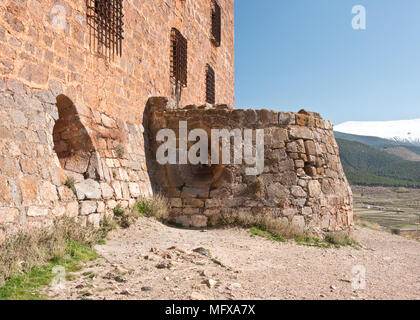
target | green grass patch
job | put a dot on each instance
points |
(332, 240)
(312, 242)
(265, 234)
(153, 207)
(340, 239)
(27, 285)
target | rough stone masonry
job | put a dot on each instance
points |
(303, 182)
(73, 115)
(72, 135)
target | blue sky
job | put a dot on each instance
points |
(304, 53)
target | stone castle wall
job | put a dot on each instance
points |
(303, 182)
(72, 133)
(69, 112)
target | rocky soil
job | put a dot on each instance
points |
(154, 261)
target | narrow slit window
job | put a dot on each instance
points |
(210, 85)
(179, 58)
(105, 19)
(216, 24)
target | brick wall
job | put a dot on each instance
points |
(41, 65)
(38, 54)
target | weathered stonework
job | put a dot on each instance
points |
(303, 181)
(68, 112)
(72, 130)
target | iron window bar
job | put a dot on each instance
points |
(179, 58)
(105, 19)
(210, 85)
(216, 24)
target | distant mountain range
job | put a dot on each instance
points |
(404, 150)
(402, 131)
(392, 158)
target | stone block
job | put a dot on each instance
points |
(298, 223)
(175, 203)
(134, 189)
(191, 211)
(302, 119)
(298, 192)
(48, 191)
(16, 87)
(286, 118)
(306, 211)
(211, 212)
(37, 212)
(299, 202)
(268, 117)
(5, 193)
(213, 203)
(88, 189)
(29, 189)
(325, 222)
(185, 221)
(111, 204)
(310, 147)
(9, 215)
(299, 163)
(300, 133)
(192, 202)
(289, 212)
(100, 207)
(314, 188)
(88, 207)
(94, 220)
(59, 211)
(107, 191)
(199, 221)
(72, 209)
(125, 190)
(108, 122)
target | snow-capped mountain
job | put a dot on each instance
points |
(406, 131)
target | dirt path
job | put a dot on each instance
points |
(137, 264)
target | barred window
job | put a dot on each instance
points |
(210, 85)
(179, 58)
(216, 24)
(104, 18)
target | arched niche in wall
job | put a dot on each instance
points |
(72, 143)
(180, 180)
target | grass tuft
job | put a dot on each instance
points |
(265, 234)
(27, 258)
(340, 239)
(70, 182)
(262, 222)
(272, 228)
(124, 218)
(119, 150)
(154, 207)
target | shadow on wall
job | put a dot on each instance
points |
(148, 146)
(180, 180)
(72, 142)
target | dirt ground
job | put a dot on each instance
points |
(137, 264)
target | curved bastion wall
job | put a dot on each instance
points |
(302, 181)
